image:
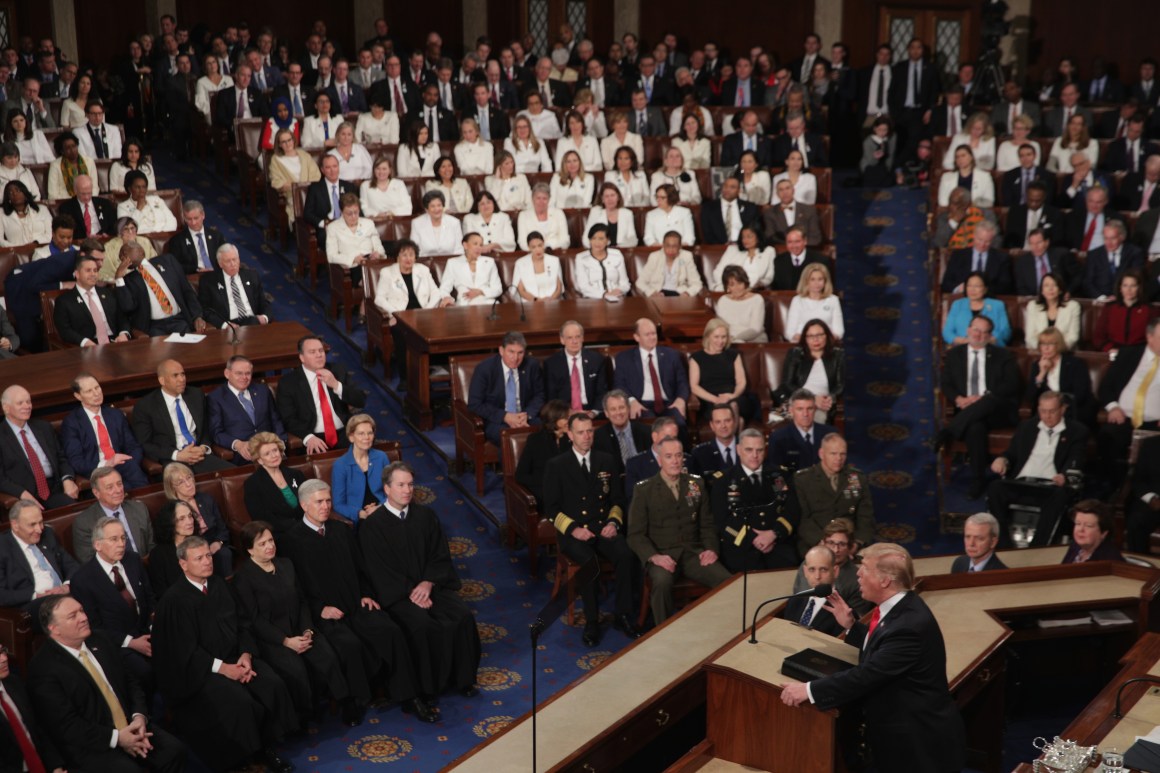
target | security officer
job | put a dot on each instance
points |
(670, 528)
(583, 496)
(832, 489)
(757, 514)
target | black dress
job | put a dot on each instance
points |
(266, 502)
(542, 447)
(163, 568)
(717, 376)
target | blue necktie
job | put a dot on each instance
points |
(202, 251)
(42, 562)
(511, 394)
(297, 104)
(247, 406)
(326, 130)
(120, 516)
(808, 615)
(181, 423)
(334, 201)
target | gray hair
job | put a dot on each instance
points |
(227, 247)
(541, 188)
(99, 527)
(986, 225)
(752, 432)
(676, 440)
(311, 487)
(100, 474)
(188, 544)
(620, 394)
(193, 205)
(805, 394)
(984, 519)
(1116, 225)
(19, 507)
(514, 337)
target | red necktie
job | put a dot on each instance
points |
(658, 397)
(399, 108)
(874, 616)
(577, 401)
(328, 430)
(37, 467)
(123, 589)
(103, 439)
(1089, 235)
(495, 95)
(27, 750)
(88, 222)
(205, 589)
(321, 531)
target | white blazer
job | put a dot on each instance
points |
(677, 117)
(56, 189)
(1008, 157)
(384, 131)
(589, 152)
(652, 276)
(408, 164)
(759, 268)
(806, 190)
(554, 231)
(609, 145)
(457, 277)
(344, 244)
(984, 154)
(698, 154)
(447, 240)
(758, 190)
(634, 191)
(545, 125)
(154, 218)
(313, 135)
(625, 227)
(690, 191)
(591, 282)
(528, 159)
(85, 140)
(1059, 160)
(391, 291)
(1067, 322)
(577, 193)
(475, 157)
(359, 165)
(459, 200)
(498, 231)
(512, 194)
(657, 223)
(395, 200)
(539, 285)
(982, 188)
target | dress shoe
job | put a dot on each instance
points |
(623, 623)
(470, 691)
(591, 635)
(420, 710)
(352, 713)
(275, 763)
(941, 440)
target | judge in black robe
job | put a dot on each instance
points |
(409, 563)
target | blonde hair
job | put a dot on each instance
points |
(357, 421)
(803, 288)
(988, 130)
(1053, 336)
(265, 439)
(711, 327)
(1025, 121)
(893, 561)
(532, 139)
(564, 177)
(173, 470)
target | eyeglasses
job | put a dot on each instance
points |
(835, 545)
(815, 335)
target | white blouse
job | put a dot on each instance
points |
(577, 193)
(528, 159)
(117, 172)
(458, 277)
(803, 309)
(625, 227)
(458, 200)
(395, 200)
(746, 318)
(806, 190)
(589, 152)
(512, 194)
(595, 125)
(610, 144)
(381, 131)
(447, 239)
(1008, 157)
(545, 125)
(36, 150)
(1059, 160)
(657, 223)
(410, 164)
(698, 154)
(497, 231)
(541, 285)
(155, 217)
(984, 154)
(205, 87)
(677, 117)
(315, 135)
(358, 167)
(634, 190)
(758, 268)
(554, 229)
(22, 174)
(690, 190)
(593, 280)
(344, 244)
(72, 115)
(33, 228)
(475, 157)
(758, 190)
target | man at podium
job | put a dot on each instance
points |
(912, 722)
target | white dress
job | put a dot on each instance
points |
(205, 87)
(372, 131)
(36, 150)
(677, 117)
(803, 309)
(634, 190)
(458, 277)
(593, 282)
(72, 115)
(358, 167)
(806, 190)
(33, 228)
(154, 218)
(577, 193)
(554, 229)
(759, 268)
(657, 223)
(497, 231)
(475, 157)
(528, 159)
(542, 285)
(409, 164)
(512, 194)
(625, 227)
(447, 239)
(395, 200)
(589, 152)
(689, 190)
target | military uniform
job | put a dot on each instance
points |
(573, 498)
(821, 501)
(705, 460)
(741, 507)
(676, 521)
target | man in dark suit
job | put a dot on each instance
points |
(810, 611)
(502, 94)
(33, 565)
(554, 93)
(1103, 88)
(32, 463)
(620, 436)
(1037, 213)
(1083, 179)
(1033, 470)
(90, 704)
(170, 422)
(195, 246)
(980, 536)
(88, 315)
(240, 408)
(243, 94)
(723, 218)
(586, 504)
(507, 389)
(981, 256)
(510, 70)
(1055, 120)
(747, 138)
(1144, 501)
(646, 463)
(1083, 229)
(1041, 259)
(114, 589)
(24, 743)
(789, 265)
(96, 435)
(914, 91)
(1017, 183)
(232, 294)
(1145, 236)
(237, 711)
(647, 368)
(395, 92)
(1128, 153)
(795, 446)
(155, 294)
(1013, 106)
(1136, 186)
(576, 375)
(873, 85)
(91, 214)
(453, 96)
(265, 77)
(1126, 384)
(605, 91)
(438, 119)
(644, 119)
(714, 458)
(1105, 265)
(776, 218)
(323, 195)
(658, 91)
(302, 390)
(809, 144)
(1144, 90)
(493, 121)
(742, 90)
(802, 67)
(911, 719)
(982, 382)
(346, 95)
(299, 94)
(416, 72)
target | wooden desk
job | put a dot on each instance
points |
(683, 317)
(131, 367)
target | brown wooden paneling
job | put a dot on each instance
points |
(1062, 28)
(504, 21)
(778, 26)
(32, 18)
(290, 21)
(102, 36)
(410, 23)
(860, 27)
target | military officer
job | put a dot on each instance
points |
(832, 489)
(670, 528)
(584, 499)
(757, 514)
(713, 458)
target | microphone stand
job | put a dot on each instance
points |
(1117, 714)
(823, 590)
(494, 315)
(523, 316)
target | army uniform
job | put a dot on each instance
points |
(676, 521)
(822, 500)
(741, 507)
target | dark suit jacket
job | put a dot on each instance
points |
(318, 206)
(282, 91)
(756, 92)
(821, 621)
(713, 224)
(815, 149)
(106, 218)
(1117, 159)
(228, 421)
(183, 247)
(963, 564)
(11, 760)
(1097, 272)
(1063, 264)
(74, 322)
(798, 366)
(1112, 93)
(1050, 220)
(1132, 192)
(356, 100)
(1145, 229)
(16, 582)
(1146, 97)
(705, 460)
(264, 499)
(83, 452)
(296, 403)
(486, 396)
(1075, 383)
(786, 275)
(1073, 225)
(497, 120)
(928, 91)
(1070, 449)
(384, 94)
(805, 216)
(593, 372)
(1011, 188)
(154, 429)
(629, 374)
(654, 122)
(1119, 374)
(605, 440)
(214, 296)
(108, 613)
(614, 96)
(788, 450)
(663, 90)
(133, 297)
(227, 106)
(572, 497)
(1052, 125)
(997, 271)
(448, 126)
(912, 722)
(16, 473)
(1002, 378)
(734, 145)
(561, 95)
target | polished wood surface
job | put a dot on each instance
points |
(130, 367)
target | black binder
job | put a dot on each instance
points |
(809, 664)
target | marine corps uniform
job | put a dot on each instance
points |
(822, 500)
(742, 506)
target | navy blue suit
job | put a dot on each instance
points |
(228, 420)
(593, 373)
(486, 397)
(79, 439)
(707, 460)
(630, 377)
(17, 585)
(1098, 278)
(788, 449)
(22, 292)
(356, 101)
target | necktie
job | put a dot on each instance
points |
(329, 432)
(620, 438)
(658, 396)
(1114, 261)
(446, 94)
(38, 475)
(1050, 432)
(241, 104)
(1066, 120)
(1044, 267)
(44, 565)
(584, 465)
(755, 479)
(261, 79)
(239, 299)
(740, 95)
(297, 103)
(808, 615)
(511, 397)
(809, 438)
(27, 750)
(979, 262)
(122, 588)
(182, 424)
(402, 515)
(103, 440)
(89, 220)
(400, 107)
(484, 126)
(1142, 394)
(641, 124)
(1089, 234)
(98, 319)
(326, 129)
(158, 291)
(321, 531)
(1134, 156)
(98, 142)
(31, 116)
(954, 128)
(913, 85)
(247, 406)
(120, 516)
(1120, 128)
(205, 589)
(728, 456)
(577, 401)
(874, 617)
(973, 383)
(881, 88)
(1023, 186)
(544, 94)
(729, 221)
(431, 124)
(495, 95)
(119, 719)
(343, 99)
(202, 252)
(337, 210)
(648, 89)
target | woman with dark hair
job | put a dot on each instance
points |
(815, 364)
(1091, 524)
(668, 216)
(378, 127)
(966, 175)
(694, 144)
(456, 191)
(211, 81)
(577, 140)
(151, 213)
(132, 158)
(744, 311)
(610, 211)
(976, 304)
(175, 522)
(493, 226)
(281, 118)
(717, 374)
(24, 221)
(600, 270)
(1124, 321)
(73, 109)
(416, 156)
(383, 193)
(628, 178)
(1052, 310)
(805, 183)
(435, 231)
(209, 523)
(271, 491)
(543, 446)
(11, 169)
(749, 254)
(538, 275)
(34, 147)
(755, 183)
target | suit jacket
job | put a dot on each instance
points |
(572, 497)
(1011, 188)
(663, 90)
(963, 564)
(912, 722)
(154, 428)
(705, 460)
(296, 403)
(1131, 194)
(318, 207)
(1063, 264)
(558, 378)
(228, 420)
(614, 95)
(1117, 159)
(1003, 109)
(448, 126)
(265, 500)
(561, 95)
(1119, 374)
(486, 395)
(183, 247)
(1053, 119)
(11, 759)
(282, 91)
(1075, 383)
(497, 120)
(928, 90)
(108, 613)
(1070, 449)
(15, 472)
(629, 374)
(1050, 220)
(214, 297)
(734, 145)
(605, 440)
(1098, 278)
(740, 509)
(17, 584)
(227, 106)
(74, 322)
(786, 275)
(788, 450)
(1073, 226)
(997, 272)
(815, 149)
(657, 524)
(133, 296)
(1112, 93)
(383, 93)
(654, 122)
(713, 223)
(805, 216)
(756, 92)
(84, 453)
(798, 366)
(1146, 96)
(106, 218)
(356, 100)
(1001, 379)
(821, 621)
(134, 512)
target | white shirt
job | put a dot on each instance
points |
(729, 209)
(881, 73)
(447, 239)
(657, 223)
(593, 282)
(646, 395)
(93, 416)
(803, 309)
(528, 159)
(458, 277)
(190, 424)
(759, 268)
(93, 301)
(395, 200)
(625, 226)
(498, 230)
(312, 382)
(475, 157)
(236, 312)
(1041, 463)
(155, 311)
(541, 285)
(42, 580)
(1127, 401)
(76, 653)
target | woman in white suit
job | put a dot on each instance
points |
(620, 137)
(668, 217)
(436, 232)
(572, 187)
(493, 226)
(981, 186)
(612, 213)
(600, 270)
(530, 152)
(675, 174)
(384, 194)
(576, 139)
(352, 240)
(669, 271)
(454, 188)
(474, 155)
(1049, 309)
(510, 188)
(403, 285)
(629, 179)
(472, 276)
(416, 156)
(538, 276)
(549, 221)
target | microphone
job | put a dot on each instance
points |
(823, 590)
(494, 315)
(523, 316)
(1117, 713)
